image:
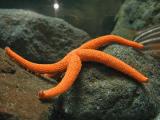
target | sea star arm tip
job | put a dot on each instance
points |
(111, 61)
(144, 79)
(39, 68)
(6, 48)
(71, 74)
(103, 40)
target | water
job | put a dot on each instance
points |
(97, 17)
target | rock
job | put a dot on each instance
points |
(136, 15)
(37, 37)
(94, 16)
(158, 117)
(102, 93)
(18, 93)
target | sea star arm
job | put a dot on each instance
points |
(113, 62)
(39, 68)
(103, 40)
(71, 74)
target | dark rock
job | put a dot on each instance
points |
(37, 37)
(136, 15)
(101, 93)
(5, 115)
(6, 66)
(18, 93)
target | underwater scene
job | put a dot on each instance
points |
(79, 59)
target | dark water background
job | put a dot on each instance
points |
(97, 17)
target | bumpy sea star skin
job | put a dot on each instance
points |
(72, 63)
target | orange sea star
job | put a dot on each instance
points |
(72, 63)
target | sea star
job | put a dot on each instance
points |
(72, 62)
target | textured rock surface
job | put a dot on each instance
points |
(18, 93)
(37, 37)
(136, 15)
(102, 93)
